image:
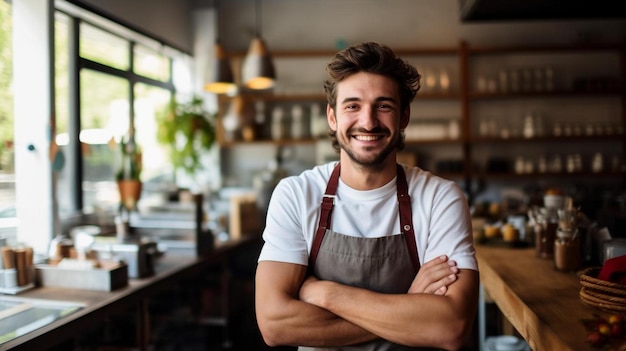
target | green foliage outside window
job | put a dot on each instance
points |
(188, 131)
(6, 69)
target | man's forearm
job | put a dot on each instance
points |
(286, 320)
(304, 324)
(409, 319)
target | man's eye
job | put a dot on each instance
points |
(384, 107)
(351, 107)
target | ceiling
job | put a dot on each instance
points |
(532, 10)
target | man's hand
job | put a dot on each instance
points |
(435, 276)
(304, 293)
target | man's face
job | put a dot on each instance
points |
(368, 118)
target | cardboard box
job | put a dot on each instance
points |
(244, 215)
(101, 279)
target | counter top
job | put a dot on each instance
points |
(169, 268)
(541, 303)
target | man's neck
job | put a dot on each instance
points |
(362, 178)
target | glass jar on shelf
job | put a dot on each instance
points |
(567, 253)
(545, 232)
(567, 250)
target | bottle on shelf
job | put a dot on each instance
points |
(278, 123)
(297, 122)
(260, 120)
(319, 124)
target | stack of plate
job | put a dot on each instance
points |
(602, 294)
(506, 343)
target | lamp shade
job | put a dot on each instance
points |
(258, 69)
(221, 80)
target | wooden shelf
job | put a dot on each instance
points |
(474, 95)
(511, 175)
(550, 139)
(542, 49)
(437, 96)
(273, 97)
(433, 51)
(284, 142)
(433, 141)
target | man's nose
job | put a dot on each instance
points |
(369, 118)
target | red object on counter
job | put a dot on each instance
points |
(614, 270)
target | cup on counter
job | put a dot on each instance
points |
(613, 248)
(3, 243)
(519, 222)
(9, 273)
(9, 278)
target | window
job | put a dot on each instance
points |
(105, 76)
(8, 221)
(114, 74)
(151, 64)
(102, 47)
(104, 119)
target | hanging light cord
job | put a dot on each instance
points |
(217, 20)
(257, 7)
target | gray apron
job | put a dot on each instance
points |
(385, 264)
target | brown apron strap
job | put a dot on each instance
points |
(328, 201)
(406, 216)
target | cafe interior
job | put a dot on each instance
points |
(140, 142)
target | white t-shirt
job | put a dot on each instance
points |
(441, 218)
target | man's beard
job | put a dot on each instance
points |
(374, 162)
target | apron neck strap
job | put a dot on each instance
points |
(406, 216)
(326, 212)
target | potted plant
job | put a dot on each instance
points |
(128, 174)
(188, 131)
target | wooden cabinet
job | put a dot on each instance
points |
(483, 113)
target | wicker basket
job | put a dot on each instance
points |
(601, 294)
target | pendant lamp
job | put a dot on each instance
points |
(221, 80)
(258, 69)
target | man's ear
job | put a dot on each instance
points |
(332, 119)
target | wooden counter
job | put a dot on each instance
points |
(539, 301)
(169, 269)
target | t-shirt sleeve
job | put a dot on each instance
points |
(283, 236)
(451, 228)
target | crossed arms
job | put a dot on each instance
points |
(295, 309)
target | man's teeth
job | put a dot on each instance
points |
(366, 137)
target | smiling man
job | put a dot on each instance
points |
(366, 253)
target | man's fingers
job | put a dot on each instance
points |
(435, 261)
(441, 286)
(433, 275)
